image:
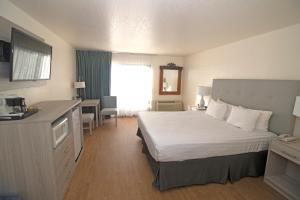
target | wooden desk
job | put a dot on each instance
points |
(93, 103)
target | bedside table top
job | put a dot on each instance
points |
(196, 108)
(294, 144)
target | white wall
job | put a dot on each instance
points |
(155, 61)
(63, 59)
(274, 55)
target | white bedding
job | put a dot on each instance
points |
(177, 136)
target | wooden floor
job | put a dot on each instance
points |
(113, 167)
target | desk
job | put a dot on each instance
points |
(93, 103)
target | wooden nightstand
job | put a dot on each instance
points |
(196, 108)
(283, 168)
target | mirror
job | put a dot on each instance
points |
(170, 80)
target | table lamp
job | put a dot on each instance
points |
(296, 111)
(79, 85)
(203, 91)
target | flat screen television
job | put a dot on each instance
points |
(30, 58)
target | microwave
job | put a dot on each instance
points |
(60, 130)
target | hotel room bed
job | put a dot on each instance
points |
(186, 148)
(178, 136)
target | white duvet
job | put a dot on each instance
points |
(177, 136)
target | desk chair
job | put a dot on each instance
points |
(109, 107)
(88, 118)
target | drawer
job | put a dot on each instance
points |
(62, 181)
(64, 173)
(65, 149)
(62, 169)
(285, 151)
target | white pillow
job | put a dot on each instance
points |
(216, 110)
(243, 118)
(229, 108)
(262, 123)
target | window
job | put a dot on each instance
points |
(132, 84)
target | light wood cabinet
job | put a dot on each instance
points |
(30, 166)
(283, 168)
(77, 131)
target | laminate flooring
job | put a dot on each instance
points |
(113, 167)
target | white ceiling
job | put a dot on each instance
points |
(171, 27)
(5, 30)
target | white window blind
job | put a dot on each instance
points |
(131, 82)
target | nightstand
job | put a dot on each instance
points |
(283, 168)
(196, 108)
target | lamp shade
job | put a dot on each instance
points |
(204, 90)
(80, 84)
(296, 111)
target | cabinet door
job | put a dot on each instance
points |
(77, 131)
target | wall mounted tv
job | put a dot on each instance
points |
(30, 58)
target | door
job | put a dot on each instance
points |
(77, 132)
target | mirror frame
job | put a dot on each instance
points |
(170, 66)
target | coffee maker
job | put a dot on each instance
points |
(12, 106)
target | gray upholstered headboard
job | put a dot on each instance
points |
(277, 96)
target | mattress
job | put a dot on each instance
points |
(178, 136)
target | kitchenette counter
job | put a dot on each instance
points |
(48, 111)
(39, 154)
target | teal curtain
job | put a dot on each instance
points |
(94, 67)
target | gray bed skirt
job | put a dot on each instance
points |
(206, 170)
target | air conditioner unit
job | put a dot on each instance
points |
(169, 106)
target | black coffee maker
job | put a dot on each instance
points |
(17, 104)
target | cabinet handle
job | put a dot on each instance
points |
(292, 156)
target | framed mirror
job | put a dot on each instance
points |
(170, 79)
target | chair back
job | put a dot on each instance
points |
(109, 102)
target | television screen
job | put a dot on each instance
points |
(30, 58)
